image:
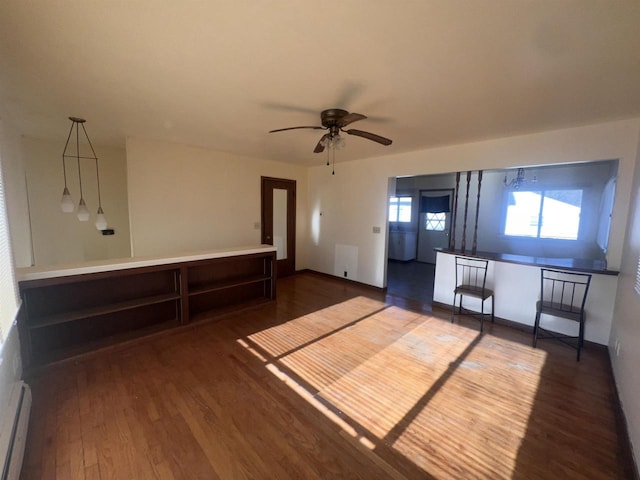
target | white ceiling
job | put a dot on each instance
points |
(221, 74)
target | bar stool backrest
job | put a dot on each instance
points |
(562, 293)
(471, 274)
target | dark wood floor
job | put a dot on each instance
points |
(332, 381)
(411, 281)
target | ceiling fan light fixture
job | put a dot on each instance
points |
(338, 142)
(334, 120)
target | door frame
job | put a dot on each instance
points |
(267, 185)
(450, 191)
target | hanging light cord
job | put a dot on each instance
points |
(97, 171)
(78, 157)
(64, 152)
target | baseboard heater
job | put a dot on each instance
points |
(13, 435)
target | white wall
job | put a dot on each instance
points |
(60, 237)
(355, 199)
(626, 323)
(344, 209)
(184, 198)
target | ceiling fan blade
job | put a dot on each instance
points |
(350, 118)
(320, 146)
(294, 128)
(369, 136)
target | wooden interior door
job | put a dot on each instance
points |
(428, 240)
(279, 221)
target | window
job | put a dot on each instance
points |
(435, 221)
(400, 209)
(544, 214)
(8, 298)
(637, 287)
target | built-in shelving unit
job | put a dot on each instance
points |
(214, 286)
(67, 312)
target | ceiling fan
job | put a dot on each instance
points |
(334, 120)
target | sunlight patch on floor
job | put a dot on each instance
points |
(479, 418)
(283, 338)
(438, 393)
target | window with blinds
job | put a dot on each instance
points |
(8, 290)
(638, 278)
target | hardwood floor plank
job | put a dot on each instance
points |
(330, 381)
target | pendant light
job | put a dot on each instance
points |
(101, 220)
(66, 204)
(519, 180)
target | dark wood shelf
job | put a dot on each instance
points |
(60, 354)
(40, 322)
(63, 317)
(215, 313)
(222, 285)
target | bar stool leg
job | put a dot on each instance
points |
(493, 303)
(535, 329)
(453, 308)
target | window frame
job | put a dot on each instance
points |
(399, 197)
(427, 220)
(542, 190)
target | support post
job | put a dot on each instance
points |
(452, 238)
(463, 246)
(474, 247)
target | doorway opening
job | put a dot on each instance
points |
(411, 273)
(434, 222)
(279, 221)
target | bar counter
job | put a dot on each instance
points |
(515, 280)
(569, 264)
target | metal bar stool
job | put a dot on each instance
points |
(471, 280)
(562, 294)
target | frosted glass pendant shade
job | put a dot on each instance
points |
(101, 220)
(66, 204)
(83, 212)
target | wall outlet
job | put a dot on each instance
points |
(376, 229)
(345, 274)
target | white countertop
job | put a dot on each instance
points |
(53, 271)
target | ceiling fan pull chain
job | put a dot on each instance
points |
(334, 162)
